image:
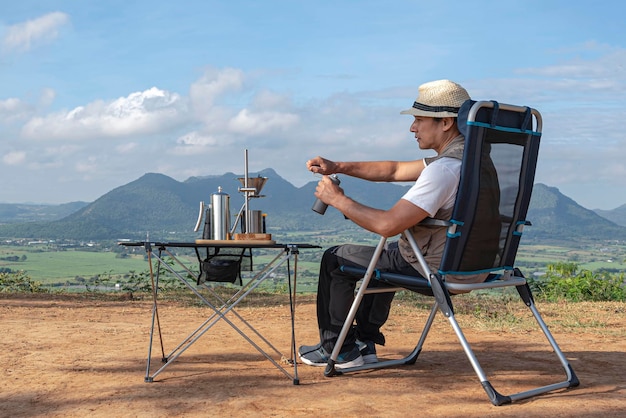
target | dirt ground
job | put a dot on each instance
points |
(75, 356)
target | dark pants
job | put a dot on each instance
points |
(335, 294)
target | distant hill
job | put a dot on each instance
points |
(616, 215)
(555, 216)
(161, 206)
(25, 212)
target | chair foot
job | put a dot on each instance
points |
(412, 358)
(331, 370)
(496, 398)
(573, 381)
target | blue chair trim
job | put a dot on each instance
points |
(468, 273)
(359, 270)
(518, 231)
(493, 277)
(503, 128)
(451, 232)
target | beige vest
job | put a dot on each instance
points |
(431, 240)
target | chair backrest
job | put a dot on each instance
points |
(497, 176)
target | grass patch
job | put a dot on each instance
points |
(50, 267)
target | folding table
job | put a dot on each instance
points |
(222, 308)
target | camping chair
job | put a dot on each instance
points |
(500, 155)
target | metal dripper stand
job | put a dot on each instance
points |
(252, 221)
(216, 215)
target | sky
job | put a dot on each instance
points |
(94, 94)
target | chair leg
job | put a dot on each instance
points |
(409, 359)
(494, 396)
(527, 296)
(331, 370)
(330, 367)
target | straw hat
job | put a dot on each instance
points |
(438, 99)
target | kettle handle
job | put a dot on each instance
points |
(200, 213)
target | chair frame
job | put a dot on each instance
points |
(441, 290)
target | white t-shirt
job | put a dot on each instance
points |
(437, 185)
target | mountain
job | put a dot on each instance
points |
(161, 206)
(617, 215)
(24, 212)
(555, 216)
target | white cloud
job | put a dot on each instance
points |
(197, 139)
(198, 143)
(145, 112)
(213, 84)
(10, 105)
(45, 165)
(14, 158)
(604, 65)
(13, 109)
(89, 165)
(23, 36)
(62, 150)
(269, 99)
(225, 113)
(261, 123)
(47, 97)
(126, 148)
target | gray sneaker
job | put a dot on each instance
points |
(368, 351)
(320, 357)
(304, 349)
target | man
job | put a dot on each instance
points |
(436, 181)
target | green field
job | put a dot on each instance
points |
(60, 266)
(607, 256)
(44, 264)
(50, 265)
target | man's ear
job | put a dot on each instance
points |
(448, 123)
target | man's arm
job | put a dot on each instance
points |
(388, 223)
(387, 171)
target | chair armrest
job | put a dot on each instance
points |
(435, 222)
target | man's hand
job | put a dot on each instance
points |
(321, 165)
(327, 191)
